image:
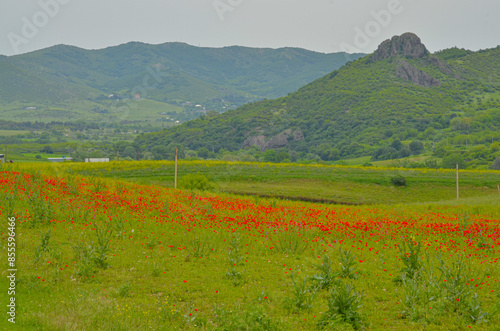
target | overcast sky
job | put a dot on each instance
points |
(319, 25)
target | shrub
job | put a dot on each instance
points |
(398, 180)
(195, 182)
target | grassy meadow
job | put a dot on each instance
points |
(113, 246)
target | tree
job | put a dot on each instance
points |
(130, 152)
(451, 161)
(160, 152)
(397, 144)
(47, 150)
(148, 156)
(203, 152)
(282, 156)
(270, 155)
(416, 147)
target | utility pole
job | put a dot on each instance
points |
(175, 175)
(457, 184)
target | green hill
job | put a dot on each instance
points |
(374, 106)
(68, 83)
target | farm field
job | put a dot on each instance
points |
(103, 246)
(334, 184)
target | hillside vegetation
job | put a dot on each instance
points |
(399, 101)
(70, 83)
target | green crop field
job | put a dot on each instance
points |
(335, 184)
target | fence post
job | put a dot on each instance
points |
(175, 176)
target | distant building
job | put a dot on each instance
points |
(102, 159)
(2, 158)
(60, 159)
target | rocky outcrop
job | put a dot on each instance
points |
(254, 141)
(408, 45)
(415, 75)
(278, 141)
(298, 135)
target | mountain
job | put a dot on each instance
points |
(401, 92)
(69, 83)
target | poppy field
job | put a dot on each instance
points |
(103, 253)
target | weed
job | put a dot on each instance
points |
(103, 238)
(327, 277)
(10, 201)
(151, 244)
(199, 247)
(85, 256)
(237, 278)
(233, 252)
(44, 245)
(254, 318)
(454, 281)
(156, 271)
(291, 242)
(474, 312)
(412, 297)
(348, 264)
(119, 228)
(167, 311)
(343, 307)
(464, 221)
(303, 296)
(432, 287)
(124, 290)
(194, 320)
(41, 210)
(409, 253)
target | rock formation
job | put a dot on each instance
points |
(278, 141)
(415, 75)
(408, 45)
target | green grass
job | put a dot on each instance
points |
(10, 133)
